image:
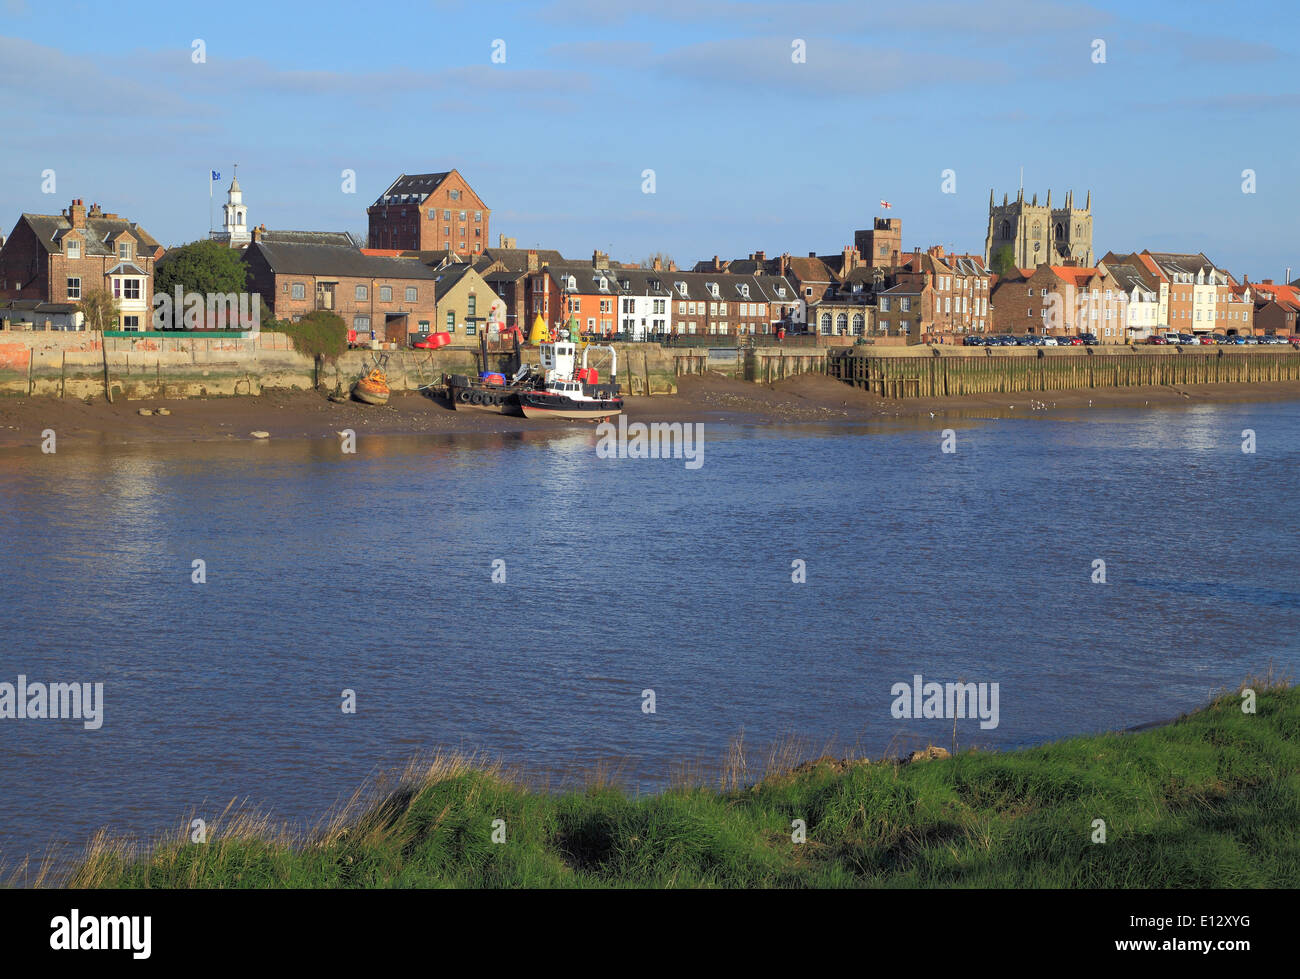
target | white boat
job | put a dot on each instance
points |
(566, 391)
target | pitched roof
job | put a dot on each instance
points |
(98, 232)
(292, 259)
(412, 187)
(309, 238)
(517, 258)
(1073, 274)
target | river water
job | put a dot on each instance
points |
(373, 573)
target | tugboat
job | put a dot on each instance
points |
(565, 392)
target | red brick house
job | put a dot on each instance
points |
(59, 258)
(430, 211)
(393, 297)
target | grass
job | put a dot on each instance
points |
(1209, 800)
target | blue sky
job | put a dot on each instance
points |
(750, 150)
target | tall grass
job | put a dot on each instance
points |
(1209, 800)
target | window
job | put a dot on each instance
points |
(478, 215)
(299, 291)
(361, 324)
(362, 292)
(905, 305)
(469, 328)
(451, 321)
(454, 195)
(462, 215)
(473, 307)
(681, 309)
(130, 288)
(433, 214)
(124, 249)
(412, 294)
(722, 309)
(74, 248)
(884, 304)
(130, 322)
(385, 294)
(74, 288)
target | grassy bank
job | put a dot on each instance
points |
(1210, 800)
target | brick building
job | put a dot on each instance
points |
(429, 211)
(59, 258)
(393, 297)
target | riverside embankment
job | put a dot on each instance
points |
(1209, 800)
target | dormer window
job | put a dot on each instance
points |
(744, 291)
(124, 250)
(604, 284)
(573, 284)
(74, 248)
(681, 288)
(713, 289)
(780, 291)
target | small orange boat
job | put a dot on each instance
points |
(372, 389)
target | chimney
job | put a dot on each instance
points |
(110, 216)
(850, 253)
(600, 260)
(95, 212)
(1266, 282)
(784, 265)
(717, 264)
(532, 260)
(657, 264)
(257, 233)
(77, 213)
(812, 254)
(672, 266)
(759, 257)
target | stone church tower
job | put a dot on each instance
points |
(1041, 234)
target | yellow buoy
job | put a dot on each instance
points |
(539, 332)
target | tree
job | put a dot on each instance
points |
(665, 260)
(100, 309)
(206, 267)
(1003, 261)
(321, 335)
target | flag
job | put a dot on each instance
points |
(886, 204)
(216, 175)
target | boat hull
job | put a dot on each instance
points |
(499, 401)
(536, 405)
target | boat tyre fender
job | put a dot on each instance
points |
(476, 398)
(464, 396)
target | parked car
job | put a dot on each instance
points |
(1209, 340)
(1070, 341)
(1156, 340)
(1050, 342)
(972, 340)
(1088, 339)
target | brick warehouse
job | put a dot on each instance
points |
(430, 211)
(394, 297)
(60, 258)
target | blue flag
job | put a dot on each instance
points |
(216, 175)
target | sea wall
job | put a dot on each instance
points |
(80, 365)
(938, 372)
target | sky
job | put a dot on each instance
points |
(751, 148)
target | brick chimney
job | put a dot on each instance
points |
(77, 213)
(600, 260)
(1266, 282)
(759, 257)
(258, 231)
(850, 259)
(717, 264)
(532, 260)
(95, 212)
(812, 254)
(657, 264)
(784, 264)
(672, 266)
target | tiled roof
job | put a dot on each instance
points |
(412, 188)
(99, 233)
(290, 259)
(309, 238)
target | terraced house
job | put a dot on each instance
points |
(60, 258)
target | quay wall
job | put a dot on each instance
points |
(80, 365)
(939, 372)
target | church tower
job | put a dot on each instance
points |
(1040, 234)
(235, 227)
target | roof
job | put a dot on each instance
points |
(516, 259)
(290, 259)
(1073, 274)
(448, 277)
(37, 306)
(309, 238)
(50, 229)
(412, 188)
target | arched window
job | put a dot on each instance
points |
(1004, 230)
(1038, 229)
(857, 324)
(826, 324)
(1060, 231)
(842, 324)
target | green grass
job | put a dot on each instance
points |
(1210, 800)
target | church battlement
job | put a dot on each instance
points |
(1040, 233)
